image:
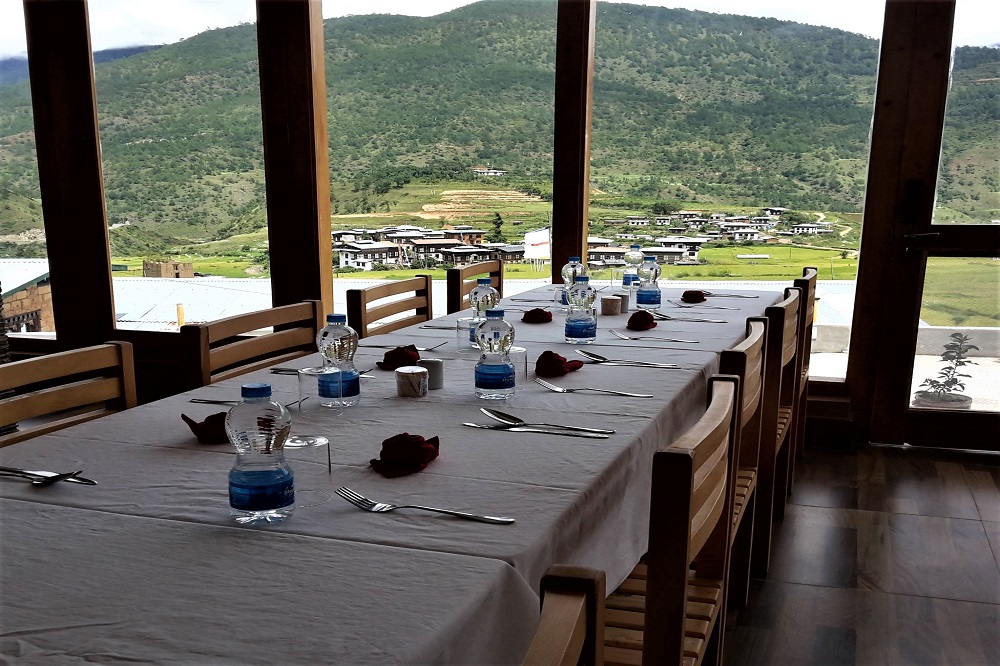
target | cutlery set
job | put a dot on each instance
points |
(44, 478)
(621, 335)
(703, 306)
(394, 346)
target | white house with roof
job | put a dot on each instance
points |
(808, 228)
(606, 256)
(637, 221)
(365, 254)
(689, 245)
(665, 255)
(432, 248)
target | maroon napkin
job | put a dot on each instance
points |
(537, 316)
(398, 357)
(405, 454)
(210, 431)
(551, 364)
(641, 321)
(693, 296)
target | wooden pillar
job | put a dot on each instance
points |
(70, 175)
(902, 177)
(573, 95)
(296, 158)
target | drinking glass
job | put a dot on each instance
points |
(519, 357)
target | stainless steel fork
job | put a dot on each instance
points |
(366, 504)
(617, 334)
(563, 389)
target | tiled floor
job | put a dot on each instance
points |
(885, 556)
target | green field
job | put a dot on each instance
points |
(961, 292)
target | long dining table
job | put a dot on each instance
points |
(148, 565)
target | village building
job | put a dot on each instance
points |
(606, 256)
(431, 248)
(365, 254)
(168, 269)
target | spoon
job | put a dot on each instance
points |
(49, 480)
(511, 420)
(597, 358)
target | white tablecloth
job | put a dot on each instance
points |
(576, 501)
(84, 586)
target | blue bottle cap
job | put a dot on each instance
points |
(626, 279)
(493, 313)
(650, 258)
(484, 280)
(336, 319)
(255, 391)
(636, 247)
(583, 278)
(572, 259)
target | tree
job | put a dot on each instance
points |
(664, 208)
(496, 236)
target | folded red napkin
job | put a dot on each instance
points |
(398, 357)
(641, 321)
(693, 296)
(210, 431)
(551, 364)
(537, 316)
(405, 454)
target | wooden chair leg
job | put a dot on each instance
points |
(739, 561)
(760, 542)
(781, 470)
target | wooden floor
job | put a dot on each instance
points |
(885, 556)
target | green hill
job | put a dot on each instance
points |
(688, 106)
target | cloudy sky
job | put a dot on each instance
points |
(131, 22)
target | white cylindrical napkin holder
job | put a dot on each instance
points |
(435, 372)
(411, 381)
(611, 305)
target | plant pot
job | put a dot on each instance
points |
(926, 400)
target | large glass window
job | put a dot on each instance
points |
(181, 141)
(441, 139)
(27, 302)
(737, 146)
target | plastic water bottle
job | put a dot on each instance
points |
(648, 296)
(261, 484)
(581, 320)
(337, 343)
(482, 297)
(632, 259)
(572, 270)
(495, 373)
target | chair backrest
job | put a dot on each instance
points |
(782, 349)
(692, 484)
(746, 361)
(62, 389)
(807, 316)
(365, 317)
(463, 280)
(571, 627)
(225, 348)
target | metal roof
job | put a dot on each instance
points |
(18, 274)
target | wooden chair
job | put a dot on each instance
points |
(665, 612)
(746, 361)
(58, 390)
(777, 423)
(807, 316)
(571, 628)
(463, 280)
(224, 348)
(364, 318)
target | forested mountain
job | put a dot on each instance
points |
(688, 106)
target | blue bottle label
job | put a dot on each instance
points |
(563, 298)
(581, 328)
(648, 297)
(496, 376)
(350, 384)
(261, 490)
(329, 386)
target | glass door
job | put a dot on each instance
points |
(939, 378)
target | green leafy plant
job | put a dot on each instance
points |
(949, 378)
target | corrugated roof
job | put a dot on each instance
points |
(18, 274)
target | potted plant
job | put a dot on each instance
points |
(944, 392)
